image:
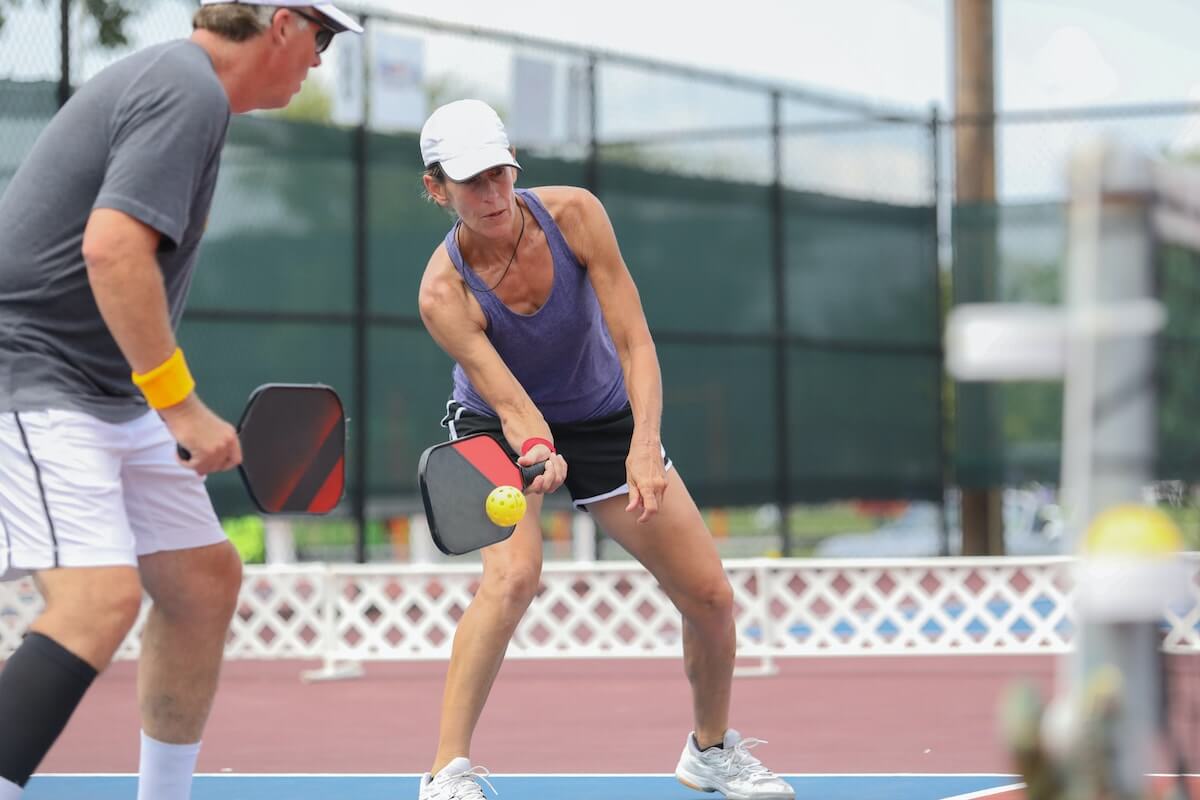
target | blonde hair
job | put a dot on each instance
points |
(236, 22)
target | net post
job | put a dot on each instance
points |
(1109, 684)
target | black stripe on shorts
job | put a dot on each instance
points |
(37, 472)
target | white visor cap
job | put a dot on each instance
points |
(339, 19)
(466, 137)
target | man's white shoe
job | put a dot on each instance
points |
(458, 780)
(730, 770)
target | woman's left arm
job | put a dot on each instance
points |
(596, 245)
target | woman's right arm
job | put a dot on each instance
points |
(456, 322)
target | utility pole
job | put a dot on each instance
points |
(976, 257)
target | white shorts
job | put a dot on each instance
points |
(76, 491)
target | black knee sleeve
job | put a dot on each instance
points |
(40, 686)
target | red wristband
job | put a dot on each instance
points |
(534, 442)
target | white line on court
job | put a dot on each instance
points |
(987, 792)
(548, 775)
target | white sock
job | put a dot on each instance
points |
(165, 770)
(9, 790)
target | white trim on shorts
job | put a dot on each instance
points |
(449, 420)
(77, 491)
(620, 490)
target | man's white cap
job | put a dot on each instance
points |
(338, 19)
(466, 137)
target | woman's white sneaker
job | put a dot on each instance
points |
(730, 770)
(458, 780)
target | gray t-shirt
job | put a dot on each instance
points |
(143, 137)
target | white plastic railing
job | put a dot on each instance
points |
(794, 607)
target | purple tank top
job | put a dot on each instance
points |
(562, 354)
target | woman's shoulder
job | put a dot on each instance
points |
(570, 206)
(440, 272)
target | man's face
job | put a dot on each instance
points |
(299, 36)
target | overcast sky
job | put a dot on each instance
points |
(1049, 52)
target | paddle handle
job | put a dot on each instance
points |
(531, 472)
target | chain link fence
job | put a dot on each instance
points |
(790, 247)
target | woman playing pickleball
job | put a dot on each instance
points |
(530, 296)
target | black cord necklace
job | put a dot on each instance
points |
(511, 258)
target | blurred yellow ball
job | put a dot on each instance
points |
(1133, 530)
(505, 505)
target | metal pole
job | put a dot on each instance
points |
(935, 143)
(975, 184)
(361, 383)
(779, 273)
(591, 166)
(64, 72)
(1109, 438)
(591, 180)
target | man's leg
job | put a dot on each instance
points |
(89, 610)
(194, 594)
(192, 574)
(62, 516)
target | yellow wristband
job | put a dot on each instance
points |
(167, 384)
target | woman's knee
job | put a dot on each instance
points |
(710, 601)
(513, 585)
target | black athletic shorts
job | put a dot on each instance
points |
(595, 450)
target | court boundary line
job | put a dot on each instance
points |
(549, 775)
(1012, 787)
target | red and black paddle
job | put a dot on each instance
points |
(456, 478)
(293, 440)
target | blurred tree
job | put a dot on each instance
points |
(110, 17)
(314, 104)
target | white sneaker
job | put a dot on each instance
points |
(458, 780)
(732, 771)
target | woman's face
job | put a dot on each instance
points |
(484, 202)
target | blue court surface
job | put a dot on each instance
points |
(516, 787)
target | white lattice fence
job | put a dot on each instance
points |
(783, 608)
(986, 605)
(580, 611)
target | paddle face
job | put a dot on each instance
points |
(293, 448)
(455, 479)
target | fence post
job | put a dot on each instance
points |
(935, 143)
(64, 54)
(361, 384)
(591, 167)
(331, 669)
(762, 610)
(783, 478)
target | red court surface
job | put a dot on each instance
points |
(902, 714)
(835, 715)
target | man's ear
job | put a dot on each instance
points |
(279, 30)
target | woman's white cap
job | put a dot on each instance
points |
(466, 137)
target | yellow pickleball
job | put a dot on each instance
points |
(505, 505)
(1133, 530)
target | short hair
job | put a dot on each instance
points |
(236, 22)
